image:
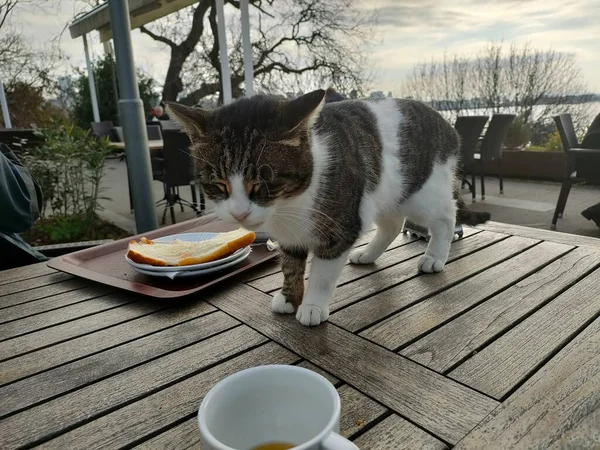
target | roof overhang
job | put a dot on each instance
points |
(141, 13)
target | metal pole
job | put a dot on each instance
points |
(108, 49)
(132, 117)
(248, 64)
(5, 114)
(225, 73)
(91, 80)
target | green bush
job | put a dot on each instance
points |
(553, 144)
(69, 167)
(519, 134)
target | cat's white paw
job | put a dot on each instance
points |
(280, 305)
(429, 264)
(312, 315)
(362, 256)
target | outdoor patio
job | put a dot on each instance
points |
(527, 203)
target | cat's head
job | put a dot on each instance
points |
(253, 153)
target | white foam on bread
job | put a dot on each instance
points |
(184, 253)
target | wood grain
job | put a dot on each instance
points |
(412, 322)
(450, 344)
(161, 410)
(91, 343)
(508, 360)
(356, 409)
(308, 365)
(396, 433)
(362, 314)
(25, 273)
(58, 333)
(395, 254)
(36, 293)
(537, 233)
(28, 284)
(76, 408)
(53, 302)
(52, 383)
(558, 408)
(446, 408)
(55, 317)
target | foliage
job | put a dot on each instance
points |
(103, 74)
(532, 83)
(326, 40)
(28, 107)
(519, 134)
(58, 230)
(554, 144)
(69, 166)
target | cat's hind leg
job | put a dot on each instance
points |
(324, 273)
(388, 229)
(441, 229)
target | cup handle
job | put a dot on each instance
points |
(336, 442)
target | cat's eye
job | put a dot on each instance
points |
(223, 186)
(252, 188)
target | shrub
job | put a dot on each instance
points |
(69, 167)
(519, 134)
(553, 144)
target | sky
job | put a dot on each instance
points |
(407, 32)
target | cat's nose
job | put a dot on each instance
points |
(240, 216)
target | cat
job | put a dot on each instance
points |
(316, 176)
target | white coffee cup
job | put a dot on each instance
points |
(275, 403)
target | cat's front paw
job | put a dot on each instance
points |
(362, 256)
(429, 264)
(312, 315)
(280, 304)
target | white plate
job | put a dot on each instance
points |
(189, 237)
(195, 273)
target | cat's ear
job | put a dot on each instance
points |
(192, 120)
(304, 111)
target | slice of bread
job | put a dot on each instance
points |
(183, 253)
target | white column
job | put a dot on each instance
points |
(225, 72)
(91, 80)
(247, 44)
(4, 104)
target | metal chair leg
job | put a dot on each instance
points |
(561, 202)
(501, 176)
(473, 188)
(482, 180)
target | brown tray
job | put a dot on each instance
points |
(106, 264)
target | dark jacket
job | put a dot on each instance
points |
(20, 200)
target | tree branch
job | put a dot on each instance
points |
(157, 37)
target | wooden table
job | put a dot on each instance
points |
(156, 144)
(500, 351)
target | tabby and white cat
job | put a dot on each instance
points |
(316, 176)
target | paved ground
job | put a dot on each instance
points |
(523, 203)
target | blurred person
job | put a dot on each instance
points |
(20, 200)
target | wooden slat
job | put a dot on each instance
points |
(58, 333)
(62, 379)
(362, 314)
(25, 273)
(450, 344)
(396, 433)
(54, 302)
(275, 281)
(447, 409)
(357, 412)
(55, 317)
(134, 422)
(507, 361)
(308, 365)
(411, 323)
(97, 399)
(26, 285)
(559, 407)
(36, 293)
(537, 233)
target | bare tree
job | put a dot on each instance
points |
(290, 38)
(531, 83)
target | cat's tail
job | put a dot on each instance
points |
(465, 216)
